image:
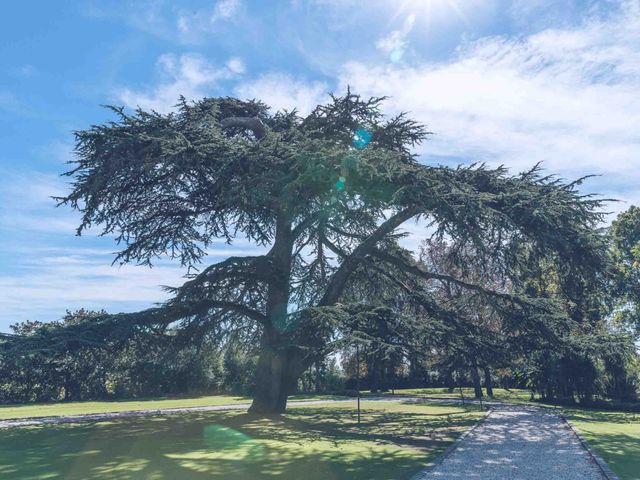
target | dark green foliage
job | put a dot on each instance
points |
(143, 365)
(73, 372)
(603, 366)
(598, 357)
(325, 376)
(625, 243)
(239, 367)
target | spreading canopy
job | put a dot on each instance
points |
(324, 195)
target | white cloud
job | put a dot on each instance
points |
(189, 75)
(44, 287)
(566, 97)
(192, 26)
(395, 43)
(282, 91)
(225, 9)
(236, 65)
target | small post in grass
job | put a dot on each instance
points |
(393, 382)
(461, 394)
(358, 378)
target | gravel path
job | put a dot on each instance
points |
(517, 442)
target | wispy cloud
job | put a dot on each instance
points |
(12, 103)
(189, 75)
(395, 43)
(47, 269)
(236, 65)
(48, 282)
(26, 204)
(283, 91)
(44, 287)
(173, 21)
(566, 97)
(193, 25)
(24, 71)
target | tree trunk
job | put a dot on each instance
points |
(487, 381)
(319, 376)
(374, 367)
(277, 374)
(72, 390)
(448, 381)
(477, 386)
(279, 366)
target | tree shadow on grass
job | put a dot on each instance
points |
(423, 431)
(620, 451)
(615, 436)
(312, 443)
(604, 416)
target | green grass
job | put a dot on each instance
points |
(319, 442)
(80, 408)
(615, 436)
(500, 394)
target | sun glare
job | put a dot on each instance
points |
(432, 9)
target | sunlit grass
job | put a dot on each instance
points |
(321, 442)
(81, 408)
(615, 436)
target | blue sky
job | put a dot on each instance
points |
(504, 82)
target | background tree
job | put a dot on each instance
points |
(144, 364)
(598, 349)
(625, 249)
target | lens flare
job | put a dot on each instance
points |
(361, 138)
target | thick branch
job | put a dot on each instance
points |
(304, 224)
(339, 279)
(250, 123)
(417, 270)
(177, 309)
(255, 267)
(242, 310)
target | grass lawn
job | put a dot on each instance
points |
(615, 436)
(79, 408)
(320, 442)
(514, 395)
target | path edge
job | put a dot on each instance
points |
(422, 474)
(599, 461)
